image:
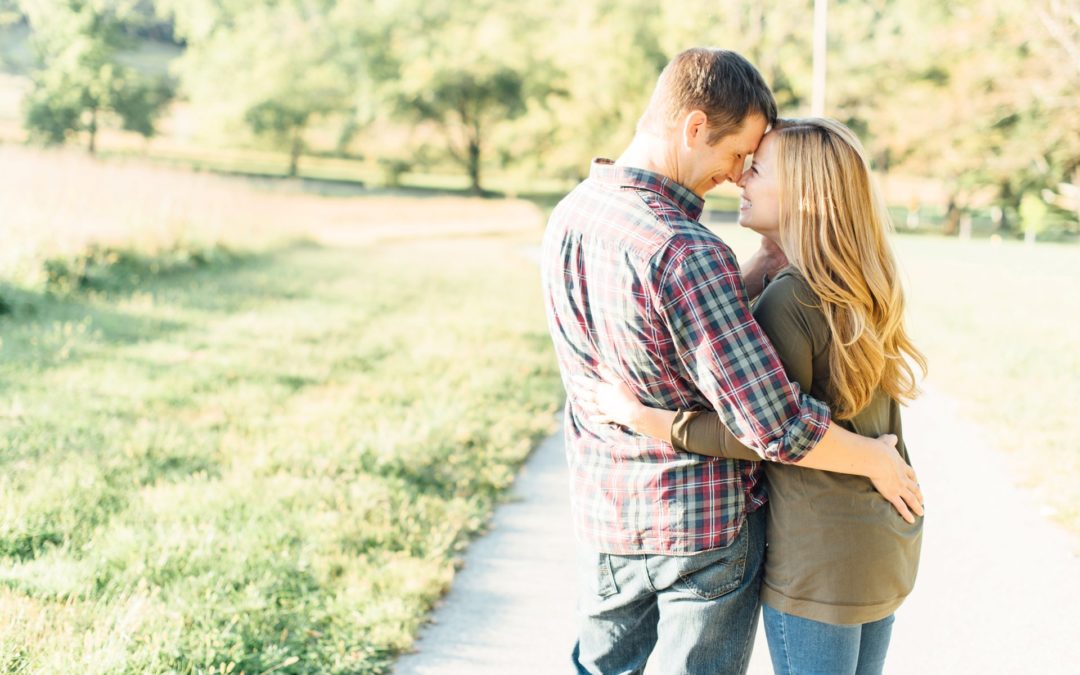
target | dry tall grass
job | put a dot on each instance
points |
(60, 202)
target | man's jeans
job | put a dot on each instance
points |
(684, 614)
(800, 646)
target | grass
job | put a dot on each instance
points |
(998, 325)
(246, 428)
(271, 461)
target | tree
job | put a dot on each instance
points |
(972, 93)
(608, 56)
(470, 70)
(78, 82)
(466, 103)
(274, 68)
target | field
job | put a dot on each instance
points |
(259, 459)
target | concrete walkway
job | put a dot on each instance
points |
(998, 588)
(511, 608)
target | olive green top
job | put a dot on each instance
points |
(838, 552)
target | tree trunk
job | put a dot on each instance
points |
(92, 128)
(474, 166)
(294, 152)
(952, 218)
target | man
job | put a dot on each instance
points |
(671, 543)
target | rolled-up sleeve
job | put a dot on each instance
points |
(699, 294)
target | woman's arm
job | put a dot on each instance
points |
(699, 432)
(704, 434)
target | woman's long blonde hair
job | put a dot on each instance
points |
(833, 228)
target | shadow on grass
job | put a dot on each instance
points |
(41, 326)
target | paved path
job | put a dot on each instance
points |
(998, 589)
(511, 608)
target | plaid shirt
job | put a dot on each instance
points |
(633, 280)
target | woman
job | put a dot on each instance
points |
(839, 559)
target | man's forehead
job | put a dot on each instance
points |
(754, 138)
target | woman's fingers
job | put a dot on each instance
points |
(595, 397)
(902, 509)
(914, 502)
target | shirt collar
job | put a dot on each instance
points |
(609, 173)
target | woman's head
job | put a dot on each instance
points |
(808, 171)
(811, 189)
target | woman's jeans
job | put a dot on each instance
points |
(803, 647)
(682, 614)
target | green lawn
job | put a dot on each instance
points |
(270, 462)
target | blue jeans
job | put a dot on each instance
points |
(800, 646)
(685, 614)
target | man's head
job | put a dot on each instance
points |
(712, 107)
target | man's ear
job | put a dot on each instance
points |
(694, 129)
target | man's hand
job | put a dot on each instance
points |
(768, 259)
(896, 481)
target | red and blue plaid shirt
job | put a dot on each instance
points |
(633, 280)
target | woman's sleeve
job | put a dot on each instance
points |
(704, 434)
(788, 318)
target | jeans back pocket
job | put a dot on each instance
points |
(713, 573)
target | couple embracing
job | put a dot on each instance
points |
(733, 435)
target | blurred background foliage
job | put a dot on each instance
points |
(968, 107)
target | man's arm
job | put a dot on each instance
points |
(701, 297)
(613, 402)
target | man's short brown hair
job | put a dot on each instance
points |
(720, 83)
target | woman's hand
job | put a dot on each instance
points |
(897, 482)
(768, 260)
(843, 451)
(609, 401)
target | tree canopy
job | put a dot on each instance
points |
(78, 79)
(979, 95)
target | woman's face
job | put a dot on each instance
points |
(760, 206)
